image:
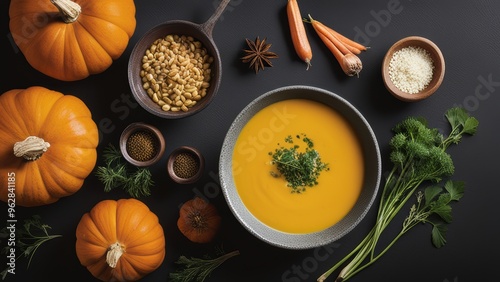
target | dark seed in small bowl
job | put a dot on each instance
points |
(185, 165)
(142, 144)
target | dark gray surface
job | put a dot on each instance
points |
(468, 33)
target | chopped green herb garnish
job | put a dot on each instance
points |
(300, 169)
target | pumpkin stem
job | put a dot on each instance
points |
(31, 148)
(114, 253)
(69, 10)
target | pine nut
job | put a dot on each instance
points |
(176, 72)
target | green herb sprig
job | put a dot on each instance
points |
(300, 169)
(198, 269)
(117, 173)
(434, 201)
(418, 154)
(28, 239)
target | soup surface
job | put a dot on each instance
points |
(267, 197)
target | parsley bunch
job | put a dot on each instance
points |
(418, 154)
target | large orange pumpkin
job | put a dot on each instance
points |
(120, 240)
(48, 144)
(72, 39)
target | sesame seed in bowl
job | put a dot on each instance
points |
(413, 68)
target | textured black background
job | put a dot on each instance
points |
(468, 33)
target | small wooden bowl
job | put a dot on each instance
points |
(438, 72)
(137, 127)
(196, 154)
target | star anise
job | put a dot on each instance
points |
(258, 55)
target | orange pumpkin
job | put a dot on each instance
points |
(48, 144)
(120, 240)
(70, 40)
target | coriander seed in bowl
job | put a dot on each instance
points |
(142, 144)
(413, 68)
(185, 165)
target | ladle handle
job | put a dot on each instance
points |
(208, 26)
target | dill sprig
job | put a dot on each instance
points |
(117, 173)
(28, 239)
(300, 169)
(198, 269)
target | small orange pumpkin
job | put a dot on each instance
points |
(48, 144)
(199, 220)
(70, 40)
(120, 240)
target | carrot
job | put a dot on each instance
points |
(320, 28)
(331, 46)
(351, 48)
(298, 32)
(347, 41)
(349, 62)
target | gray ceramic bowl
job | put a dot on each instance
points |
(371, 179)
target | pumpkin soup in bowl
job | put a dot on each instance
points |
(299, 167)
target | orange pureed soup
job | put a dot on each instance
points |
(268, 198)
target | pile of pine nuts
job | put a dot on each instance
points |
(176, 72)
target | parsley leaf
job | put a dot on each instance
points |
(438, 235)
